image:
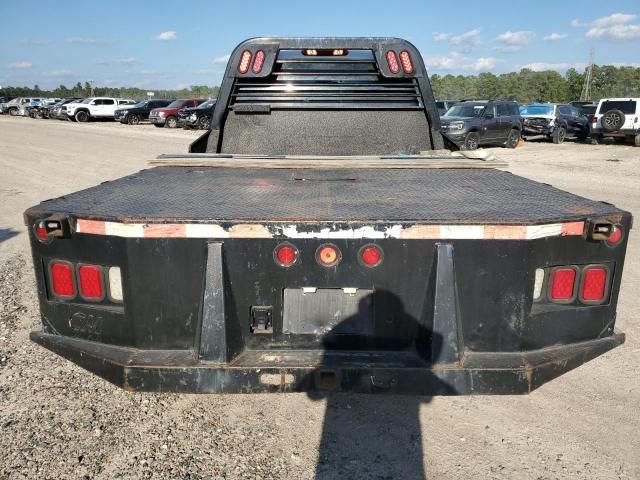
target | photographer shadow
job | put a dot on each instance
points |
(367, 436)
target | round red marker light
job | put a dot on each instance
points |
(285, 255)
(371, 255)
(41, 232)
(616, 235)
(328, 255)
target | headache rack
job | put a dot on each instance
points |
(352, 80)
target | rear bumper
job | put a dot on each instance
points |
(317, 371)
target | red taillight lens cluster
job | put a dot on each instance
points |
(258, 62)
(91, 283)
(62, 279)
(67, 281)
(327, 255)
(594, 284)
(245, 61)
(562, 283)
(588, 284)
(392, 61)
(405, 61)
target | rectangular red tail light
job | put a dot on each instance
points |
(562, 286)
(62, 279)
(594, 284)
(91, 283)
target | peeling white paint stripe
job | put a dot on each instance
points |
(416, 231)
(462, 232)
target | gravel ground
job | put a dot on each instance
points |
(58, 421)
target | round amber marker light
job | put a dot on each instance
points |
(328, 255)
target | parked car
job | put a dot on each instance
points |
(554, 121)
(57, 111)
(94, 107)
(472, 123)
(444, 105)
(18, 106)
(40, 109)
(617, 118)
(587, 108)
(168, 116)
(197, 117)
(134, 114)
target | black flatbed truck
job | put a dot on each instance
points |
(316, 240)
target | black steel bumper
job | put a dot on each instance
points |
(316, 370)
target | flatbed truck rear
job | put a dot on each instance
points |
(317, 238)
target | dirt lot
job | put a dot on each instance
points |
(60, 422)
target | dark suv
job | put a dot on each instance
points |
(472, 123)
(554, 121)
(197, 117)
(140, 111)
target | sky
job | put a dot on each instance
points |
(166, 45)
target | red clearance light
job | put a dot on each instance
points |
(258, 62)
(594, 284)
(562, 282)
(616, 235)
(41, 232)
(392, 62)
(407, 64)
(371, 255)
(91, 284)
(328, 255)
(62, 280)
(285, 255)
(245, 61)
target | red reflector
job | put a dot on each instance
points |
(41, 232)
(245, 61)
(90, 279)
(371, 255)
(616, 235)
(285, 255)
(328, 255)
(594, 284)
(258, 62)
(407, 64)
(562, 284)
(392, 61)
(62, 281)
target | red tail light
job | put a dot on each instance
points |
(285, 255)
(245, 61)
(407, 64)
(562, 284)
(594, 284)
(328, 255)
(616, 236)
(41, 232)
(392, 61)
(62, 279)
(91, 284)
(371, 255)
(258, 62)
(593, 119)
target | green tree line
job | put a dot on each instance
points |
(523, 86)
(547, 86)
(80, 90)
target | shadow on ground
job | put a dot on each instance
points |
(375, 436)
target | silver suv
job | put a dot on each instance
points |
(618, 118)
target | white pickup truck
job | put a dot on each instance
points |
(95, 107)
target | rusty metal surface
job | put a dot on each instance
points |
(431, 196)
